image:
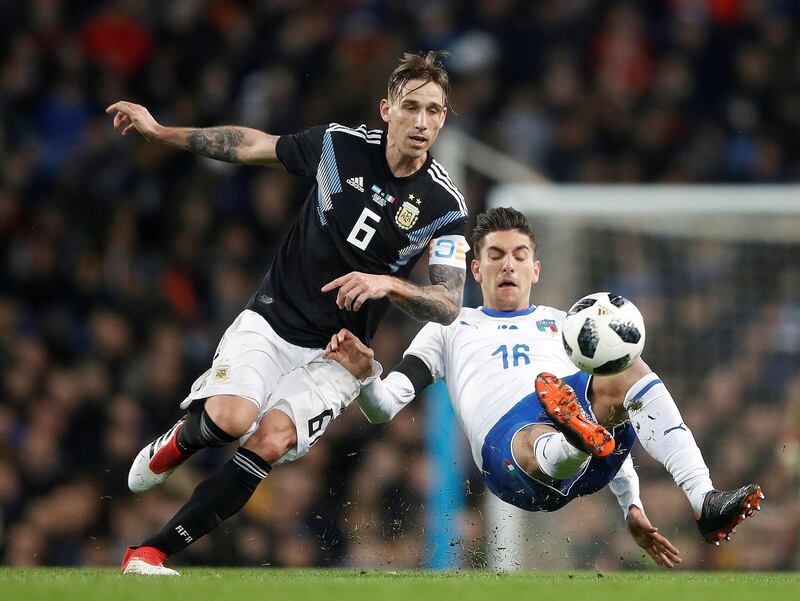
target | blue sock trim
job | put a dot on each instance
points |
(681, 426)
(643, 392)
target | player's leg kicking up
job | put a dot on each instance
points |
(661, 431)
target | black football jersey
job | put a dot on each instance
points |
(357, 217)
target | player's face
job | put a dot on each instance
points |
(506, 269)
(415, 117)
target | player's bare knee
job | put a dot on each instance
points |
(522, 445)
(275, 436)
(233, 414)
(611, 390)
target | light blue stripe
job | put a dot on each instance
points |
(328, 181)
(420, 238)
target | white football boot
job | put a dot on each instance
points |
(155, 462)
(147, 561)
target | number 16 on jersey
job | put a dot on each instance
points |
(519, 355)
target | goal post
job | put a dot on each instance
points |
(560, 213)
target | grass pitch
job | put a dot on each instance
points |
(198, 584)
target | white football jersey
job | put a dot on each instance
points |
(490, 359)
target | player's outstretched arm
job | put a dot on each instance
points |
(439, 302)
(230, 143)
(380, 400)
(647, 536)
(625, 487)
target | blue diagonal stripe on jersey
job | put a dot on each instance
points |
(328, 181)
(420, 238)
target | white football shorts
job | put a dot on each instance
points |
(253, 362)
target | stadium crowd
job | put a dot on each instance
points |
(121, 262)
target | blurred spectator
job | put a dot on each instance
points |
(121, 262)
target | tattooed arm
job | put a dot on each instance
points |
(439, 302)
(231, 143)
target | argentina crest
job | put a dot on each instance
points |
(407, 214)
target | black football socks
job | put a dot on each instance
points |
(199, 431)
(214, 500)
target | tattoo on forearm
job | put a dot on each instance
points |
(439, 302)
(425, 308)
(216, 142)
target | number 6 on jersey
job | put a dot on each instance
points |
(361, 226)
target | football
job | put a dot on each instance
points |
(603, 333)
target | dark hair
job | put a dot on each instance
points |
(426, 66)
(499, 220)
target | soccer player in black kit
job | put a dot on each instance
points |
(378, 200)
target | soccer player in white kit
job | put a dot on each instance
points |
(542, 432)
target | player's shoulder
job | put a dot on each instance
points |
(444, 185)
(470, 312)
(545, 310)
(468, 316)
(360, 134)
(547, 316)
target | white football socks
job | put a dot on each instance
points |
(662, 433)
(557, 457)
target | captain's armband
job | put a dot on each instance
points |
(449, 250)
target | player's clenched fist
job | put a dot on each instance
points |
(130, 116)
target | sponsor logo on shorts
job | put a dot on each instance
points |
(222, 373)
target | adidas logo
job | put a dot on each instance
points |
(357, 183)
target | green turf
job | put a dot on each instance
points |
(357, 585)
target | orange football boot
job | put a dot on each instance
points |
(561, 404)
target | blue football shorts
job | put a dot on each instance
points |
(509, 482)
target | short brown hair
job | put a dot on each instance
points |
(426, 66)
(500, 219)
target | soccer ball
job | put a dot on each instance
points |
(603, 333)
